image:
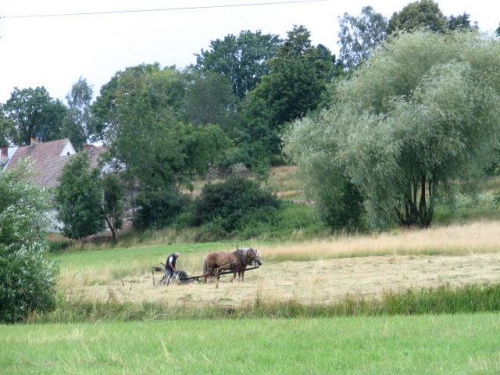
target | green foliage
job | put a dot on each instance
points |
(294, 86)
(420, 114)
(27, 277)
(159, 151)
(243, 59)
(33, 111)
(461, 23)
(159, 208)
(358, 36)
(113, 192)
(79, 198)
(77, 124)
(7, 129)
(210, 100)
(297, 78)
(232, 203)
(423, 14)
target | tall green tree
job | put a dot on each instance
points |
(160, 153)
(294, 86)
(243, 59)
(209, 99)
(421, 115)
(27, 276)
(76, 126)
(461, 23)
(417, 15)
(79, 198)
(104, 110)
(358, 36)
(33, 111)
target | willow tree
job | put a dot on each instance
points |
(422, 113)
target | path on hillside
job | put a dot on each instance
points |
(323, 281)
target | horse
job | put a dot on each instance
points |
(236, 261)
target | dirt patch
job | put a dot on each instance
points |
(312, 282)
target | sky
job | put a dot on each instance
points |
(54, 51)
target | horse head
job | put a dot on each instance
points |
(253, 255)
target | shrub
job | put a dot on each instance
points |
(232, 203)
(27, 278)
(160, 208)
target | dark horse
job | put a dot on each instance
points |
(237, 261)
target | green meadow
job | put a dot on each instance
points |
(443, 344)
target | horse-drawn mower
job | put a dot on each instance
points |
(215, 265)
(181, 277)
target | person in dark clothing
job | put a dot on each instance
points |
(170, 270)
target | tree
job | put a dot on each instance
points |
(421, 115)
(498, 30)
(461, 23)
(7, 129)
(420, 14)
(209, 99)
(113, 195)
(358, 36)
(33, 111)
(27, 277)
(103, 111)
(243, 59)
(297, 79)
(159, 152)
(76, 126)
(79, 198)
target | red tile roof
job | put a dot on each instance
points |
(47, 160)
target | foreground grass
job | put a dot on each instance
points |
(446, 344)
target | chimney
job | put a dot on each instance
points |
(33, 141)
(4, 155)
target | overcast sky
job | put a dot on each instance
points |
(55, 51)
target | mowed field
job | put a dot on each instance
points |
(310, 273)
(313, 272)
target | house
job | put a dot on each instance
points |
(48, 158)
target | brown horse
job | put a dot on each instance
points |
(237, 261)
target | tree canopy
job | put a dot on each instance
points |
(419, 14)
(358, 36)
(423, 112)
(79, 198)
(33, 111)
(243, 59)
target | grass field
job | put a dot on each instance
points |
(445, 344)
(116, 321)
(309, 272)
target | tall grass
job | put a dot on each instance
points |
(440, 300)
(478, 237)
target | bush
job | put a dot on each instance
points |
(232, 203)
(27, 278)
(159, 209)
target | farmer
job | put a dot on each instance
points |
(170, 270)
